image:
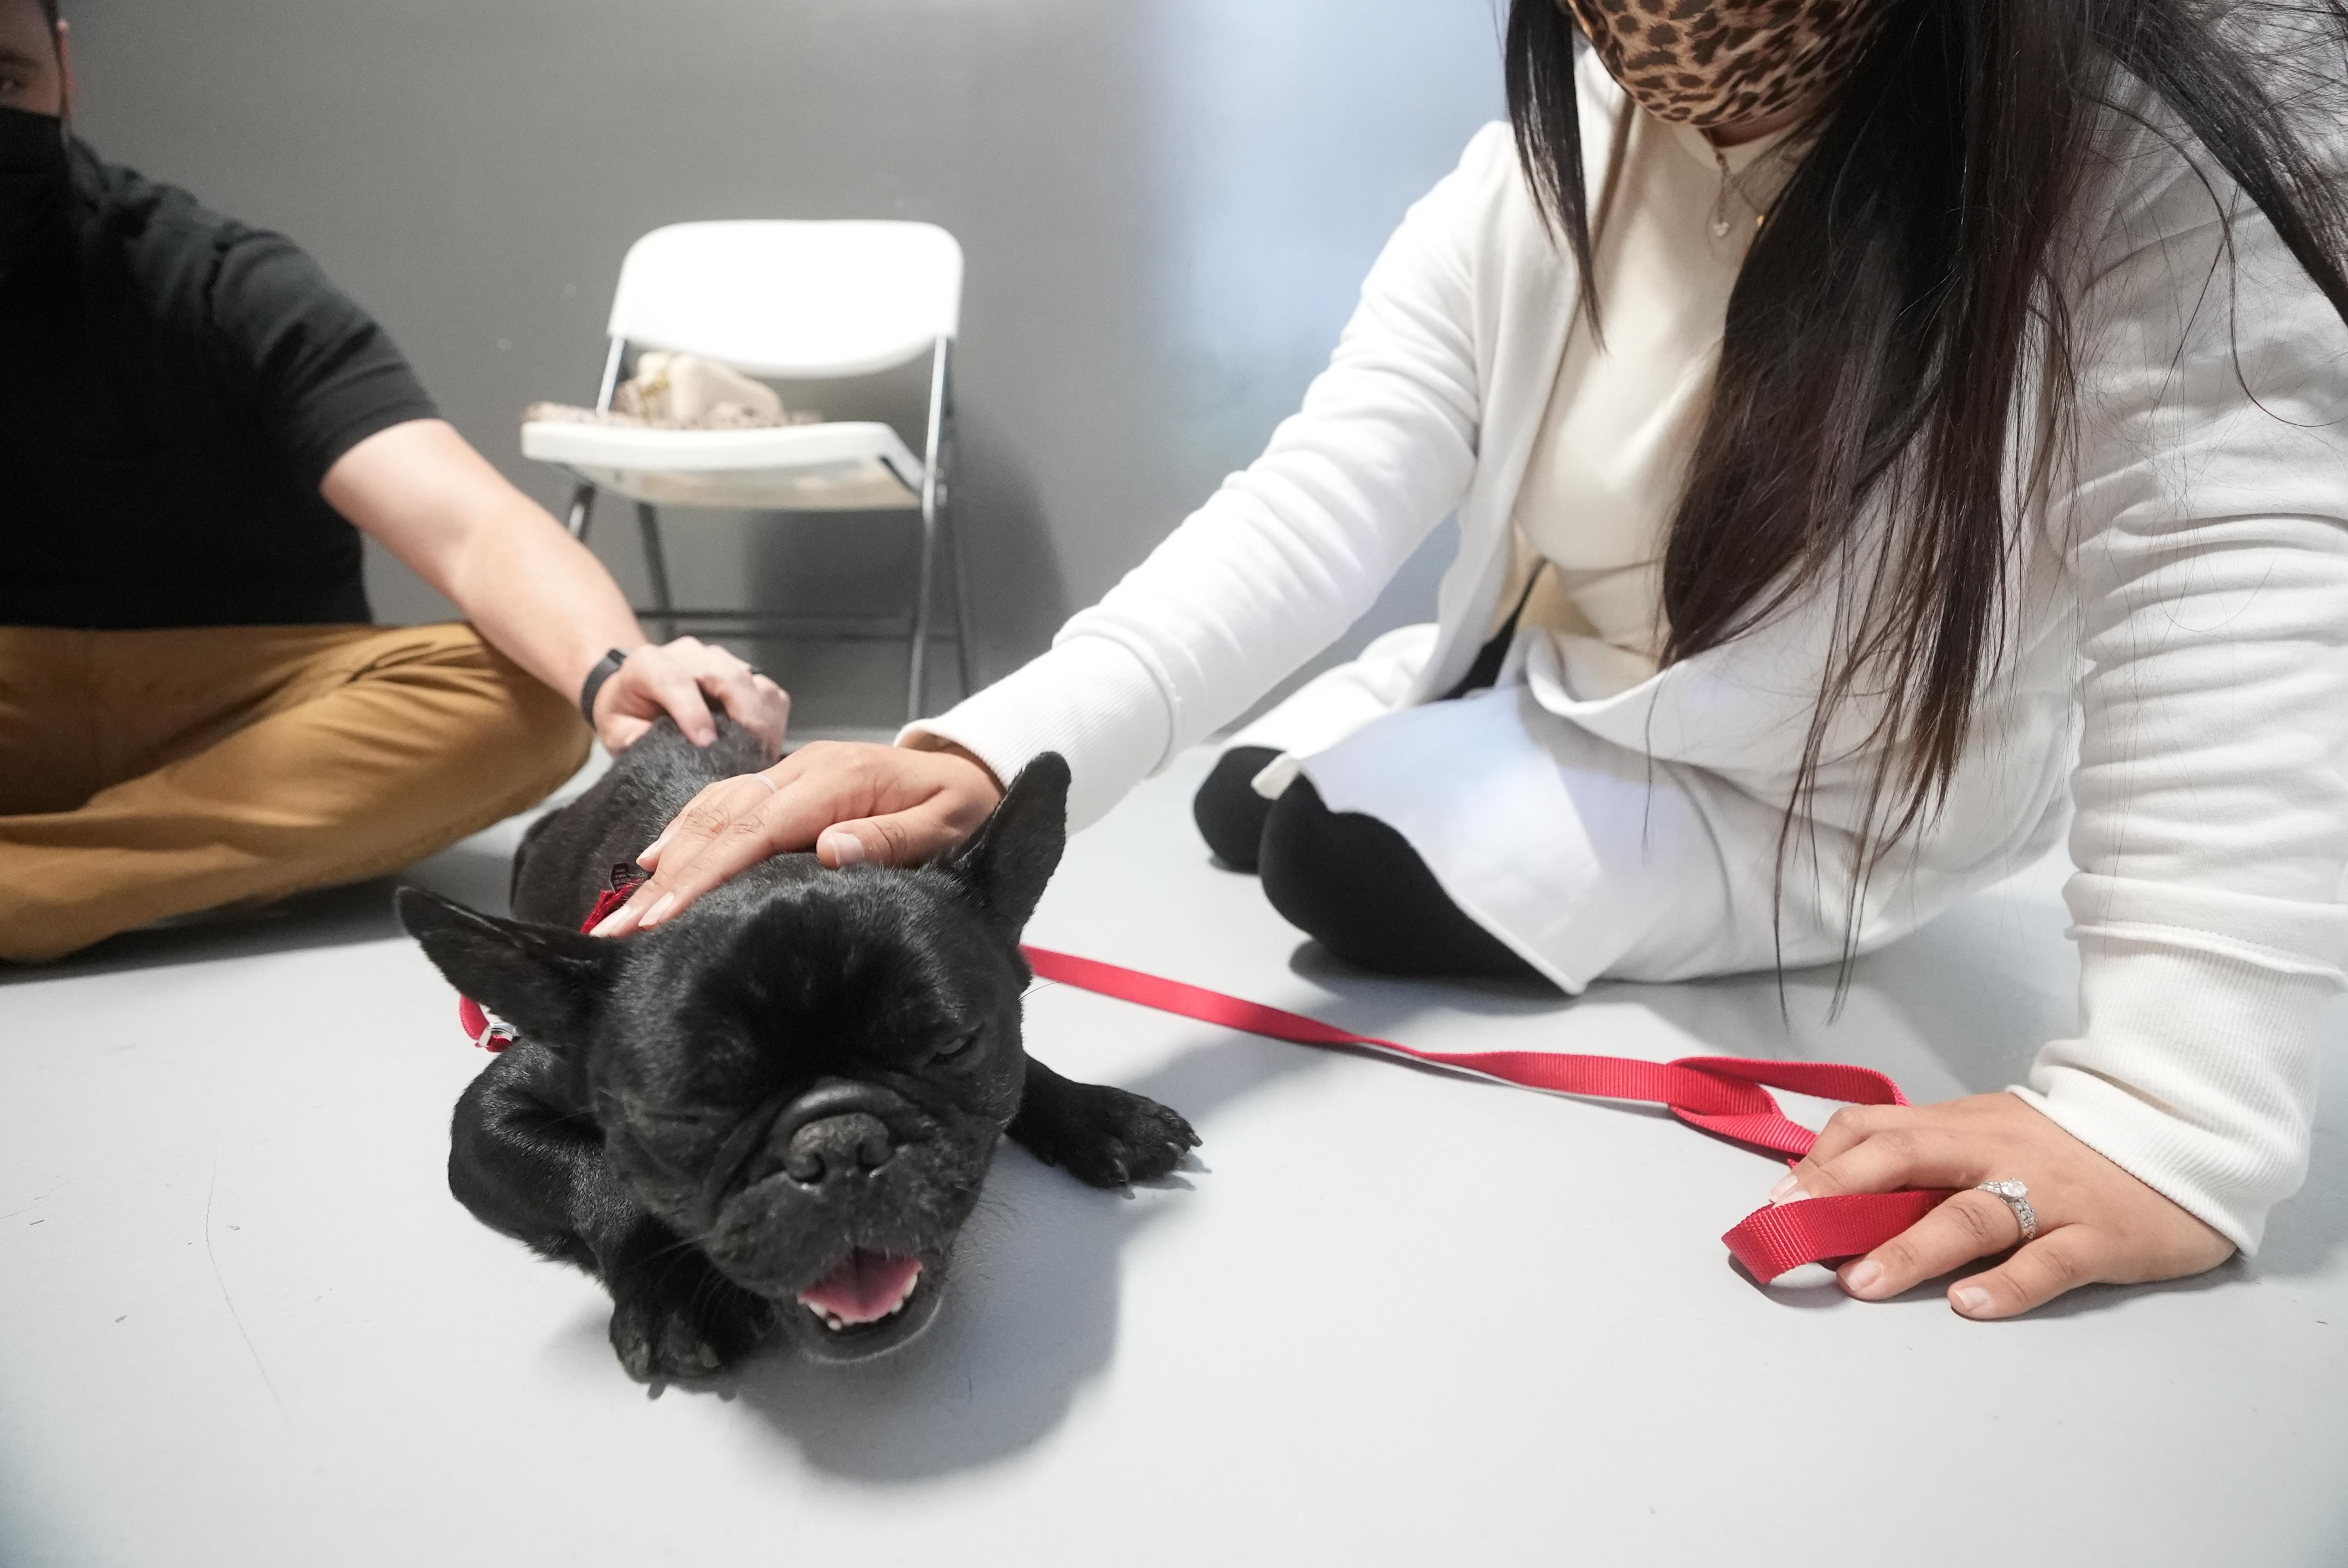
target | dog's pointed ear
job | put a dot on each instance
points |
(1008, 861)
(546, 983)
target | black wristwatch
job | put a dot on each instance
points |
(605, 667)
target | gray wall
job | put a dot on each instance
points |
(1167, 205)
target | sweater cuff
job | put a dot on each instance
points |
(1090, 698)
(2195, 1072)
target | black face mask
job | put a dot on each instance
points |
(33, 176)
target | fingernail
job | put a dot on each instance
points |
(654, 848)
(1862, 1276)
(847, 849)
(703, 737)
(613, 922)
(1970, 1300)
(659, 911)
(1787, 1191)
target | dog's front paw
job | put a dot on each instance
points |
(1109, 1138)
(656, 1339)
(687, 1322)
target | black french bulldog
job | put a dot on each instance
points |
(779, 1106)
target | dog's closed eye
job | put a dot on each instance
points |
(955, 1049)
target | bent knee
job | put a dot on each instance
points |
(545, 728)
(1230, 814)
(489, 700)
(498, 732)
(1355, 886)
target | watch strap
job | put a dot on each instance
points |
(605, 667)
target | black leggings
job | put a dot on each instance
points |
(1348, 881)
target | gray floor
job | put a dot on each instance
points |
(1389, 1318)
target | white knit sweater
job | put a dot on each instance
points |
(2181, 654)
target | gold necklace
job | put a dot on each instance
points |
(1728, 182)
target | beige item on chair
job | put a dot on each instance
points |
(683, 392)
(686, 391)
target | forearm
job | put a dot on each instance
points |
(1090, 700)
(2194, 1071)
(2209, 529)
(2209, 843)
(539, 596)
(532, 590)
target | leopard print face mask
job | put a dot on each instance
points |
(1707, 63)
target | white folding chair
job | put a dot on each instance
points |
(787, 302)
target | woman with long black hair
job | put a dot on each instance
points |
(1881, 431)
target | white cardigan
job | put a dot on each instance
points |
(2180, 646)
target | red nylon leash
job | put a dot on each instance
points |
(1722, 1095)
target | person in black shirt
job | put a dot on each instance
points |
(195, 429)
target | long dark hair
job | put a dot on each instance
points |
(1879, 335)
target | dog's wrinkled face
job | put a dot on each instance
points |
(808, 1079)
(805, 1074)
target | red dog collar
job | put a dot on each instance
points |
(493, 1034)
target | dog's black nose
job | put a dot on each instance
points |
(837, 1146)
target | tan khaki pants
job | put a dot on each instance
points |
(152, 774)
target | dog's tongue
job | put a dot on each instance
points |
(865, 1289)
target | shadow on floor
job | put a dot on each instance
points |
(1371, 1000)
(332, 917)
(473, 872)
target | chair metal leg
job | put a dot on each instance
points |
(613, 361)
(656, 566)
(919, 661)
(583, 511)
(932, 500)
(962, 662)
(963, 624)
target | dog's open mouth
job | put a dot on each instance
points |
(868, 1289)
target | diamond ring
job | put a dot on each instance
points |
(2016, 1197)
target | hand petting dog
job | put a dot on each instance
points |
(852, 803)
(679, 680)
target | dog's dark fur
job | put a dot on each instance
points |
(712, 1116)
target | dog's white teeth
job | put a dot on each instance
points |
(839, 1325)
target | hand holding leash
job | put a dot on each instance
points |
(2079, 1219)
